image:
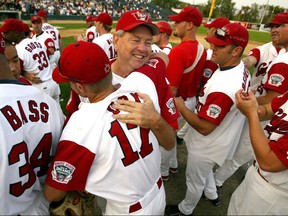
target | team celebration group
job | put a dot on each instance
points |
(132, 97)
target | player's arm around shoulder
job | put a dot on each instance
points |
(145, 115)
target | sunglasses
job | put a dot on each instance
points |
(220, 33)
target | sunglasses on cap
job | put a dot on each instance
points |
(220, 33)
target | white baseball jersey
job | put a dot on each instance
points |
(167, 48)
(34, 58)
(155, 48)
(122, 161)
(216, 103)
(91, 33)
(264, 55)
(105, 41)
(54, 32)
(30, 127)
(48, 42)
(266, 192)
(276, 77)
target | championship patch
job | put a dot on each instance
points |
(213, 111)
(276, 80)
(171, 106)
(207, 73)
(62, 172)
(152, 63)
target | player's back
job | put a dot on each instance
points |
(30, 127)
(34, 58)
(54, 32)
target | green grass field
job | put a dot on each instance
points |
(262, 37)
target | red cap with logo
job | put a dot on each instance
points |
(2, 44)
(217, 23)
(36, 19)
(92, 66)
(164, 27)
(189, 14)
(232, 33)
(104, 18)
(12, 24)
(133, 18)
(278, 19)
(89, 18)
(42, 13)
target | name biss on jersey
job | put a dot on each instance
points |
(16, 117)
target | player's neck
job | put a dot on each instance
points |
(102, 95)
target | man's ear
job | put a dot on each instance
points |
(115, 41)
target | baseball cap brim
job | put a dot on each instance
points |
(218, 41)
(176, 18)
(57, 76)
(154, 29)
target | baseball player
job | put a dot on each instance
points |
(259, 57)
(216, 121)
(44, 38)
(35, 63)
(127, 172)
(103, 23)
(53, 31)
(162, 39)
(130, 59)
(184, 70)
(92, 31)
(30, 127)
(265, 187)
(209, 66)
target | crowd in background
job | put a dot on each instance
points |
(86, 7)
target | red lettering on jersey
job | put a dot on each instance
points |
(23, 116)
(11, 117)
(43, 109)
(109, 41)
(33, 45)
(277, 124)
(34, 117)
(136, 97)
(111, 109)
(262, 69)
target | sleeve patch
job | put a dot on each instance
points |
(62, 172)
(171, 106)
(276, 80)
(152, 63)
(213, 111)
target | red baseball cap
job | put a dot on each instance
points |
(217, 23)
(278, 19)
(232, 33)
(189, 14)
(104, 18)
(36, 19)
(89, 18)
(12, 24)
(2, 44)
(133, 18)
(92, 66)
(164, 27)
(42, 13)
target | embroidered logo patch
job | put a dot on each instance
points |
(213, 111)
(170, 104)
(276, 80)
(152, 63)
(62, 172)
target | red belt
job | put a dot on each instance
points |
(137, 206)
(258, 170)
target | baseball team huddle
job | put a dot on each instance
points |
(132, 97)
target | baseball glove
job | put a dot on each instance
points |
(74, 203)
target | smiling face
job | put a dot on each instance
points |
(133, 48)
